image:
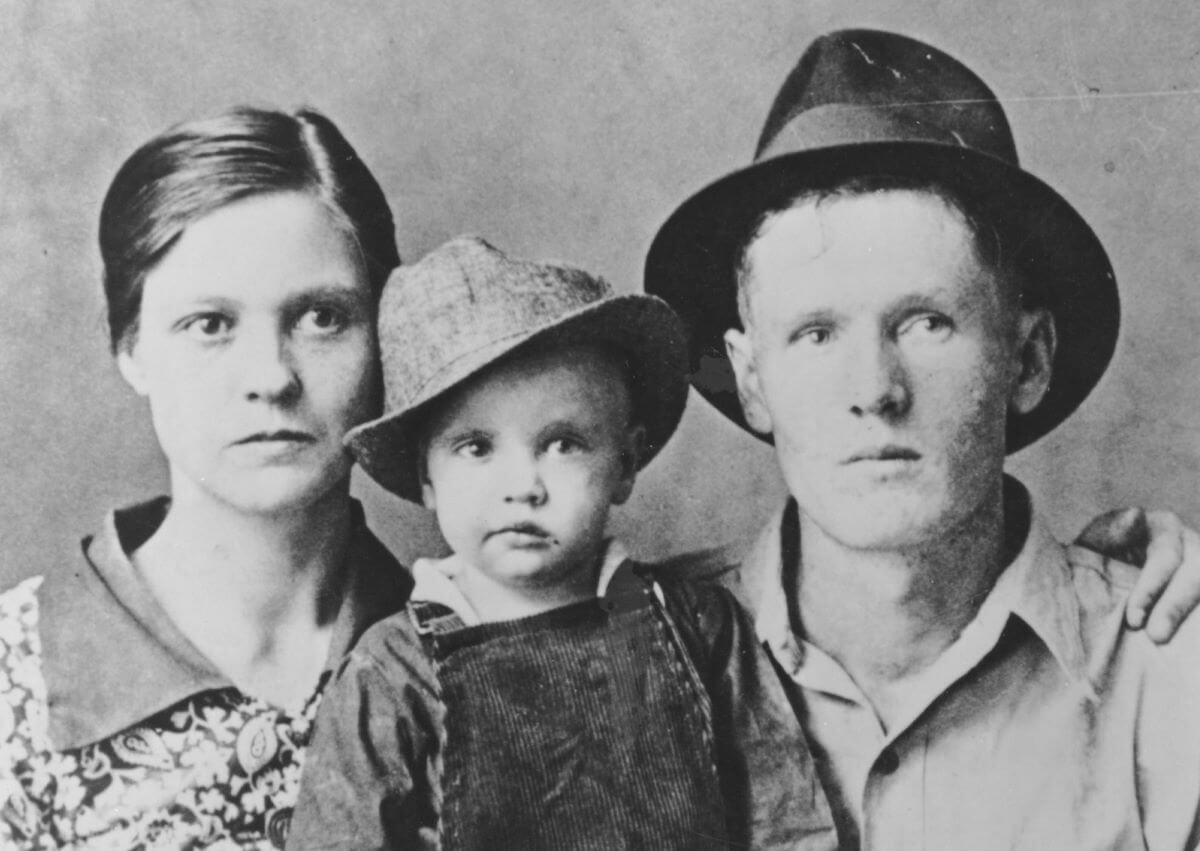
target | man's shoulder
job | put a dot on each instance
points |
(1102, 587)
(1102, 584)
(718, 564)
(721, 566)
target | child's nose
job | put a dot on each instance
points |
(523, 482)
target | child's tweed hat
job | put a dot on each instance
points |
(466, 305)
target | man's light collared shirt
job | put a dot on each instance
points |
(1046, 725)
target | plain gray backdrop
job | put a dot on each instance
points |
(569, 129)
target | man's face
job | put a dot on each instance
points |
(884, 358)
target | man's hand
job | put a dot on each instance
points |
(1168, 588)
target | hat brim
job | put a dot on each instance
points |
(692, 260)
(642, 329)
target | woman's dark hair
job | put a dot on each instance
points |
(196, 168)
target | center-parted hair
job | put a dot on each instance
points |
(198, 167)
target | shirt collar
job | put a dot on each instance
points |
(434, 580)
(1036, 588)
(110, 654)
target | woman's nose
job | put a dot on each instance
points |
(877, 381)
(266, 368)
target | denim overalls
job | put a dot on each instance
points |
(585, 727)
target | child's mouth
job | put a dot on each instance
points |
(523, 534)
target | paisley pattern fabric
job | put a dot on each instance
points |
(218, 770)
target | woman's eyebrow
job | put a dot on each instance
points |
(330, 291)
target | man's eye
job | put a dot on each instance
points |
(208, 326)
(817, 335)
(322, 320)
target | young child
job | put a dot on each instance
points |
(542, 690)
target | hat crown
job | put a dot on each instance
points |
(863, 103)
(463, 297)
(861, 86)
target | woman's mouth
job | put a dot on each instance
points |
(278, 436)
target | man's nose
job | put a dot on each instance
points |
(266, 366)
(522, 480)
(877, 380)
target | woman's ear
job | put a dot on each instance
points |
(428, 495)
(131, 367)
(633, 451)
(428, 498)
(1037, 341)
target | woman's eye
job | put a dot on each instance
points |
(473, 448)
(208, 326)
(323, 320)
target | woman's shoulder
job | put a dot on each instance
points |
(19, 620)
(22, 686)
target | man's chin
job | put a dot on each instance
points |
(893, 523)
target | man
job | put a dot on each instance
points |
(894, 302)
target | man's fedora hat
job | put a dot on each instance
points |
(861, 103)
(466, 305)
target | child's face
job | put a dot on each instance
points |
(524, 462)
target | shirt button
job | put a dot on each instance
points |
(887, 762)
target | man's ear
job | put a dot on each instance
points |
(740, 350)
(1037, 341)
(131, 368)
(632, 453)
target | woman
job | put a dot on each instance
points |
(160, 693)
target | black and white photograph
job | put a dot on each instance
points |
(600, 425)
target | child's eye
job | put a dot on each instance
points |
(322, 320)
(564, 446)
(208, 327)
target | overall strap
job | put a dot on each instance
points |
(432, 621)
(688, 647)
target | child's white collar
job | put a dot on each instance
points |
(435, 580)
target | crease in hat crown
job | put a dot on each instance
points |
(858, 86)
(424, 329)
(865, 102)
(466, 305)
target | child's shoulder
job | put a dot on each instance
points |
(702, 607)
(390, 650)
